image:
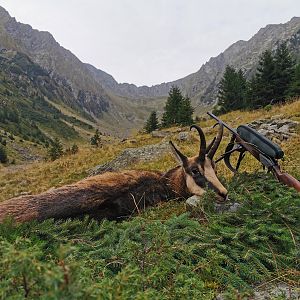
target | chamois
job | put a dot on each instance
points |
(116, 195)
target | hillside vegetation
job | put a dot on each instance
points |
(162, 253)
(29, 103)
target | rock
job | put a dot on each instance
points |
(276, 291)
(277, 130)
(184, 136)
(284, 129)
(193, 205)
(271, 291)
(130, 156)
(263, 131)
(25, 193)
(193, 202)
(227, 207)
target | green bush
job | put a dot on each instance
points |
(3, 155)
(56, 149)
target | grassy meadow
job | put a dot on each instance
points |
(163, 253)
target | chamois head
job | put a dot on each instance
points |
(200, 170)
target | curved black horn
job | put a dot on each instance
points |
(202, 150)
(210, 145)
(212, 142)
(217, 141)
(180, 157)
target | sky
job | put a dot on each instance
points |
(147, 42)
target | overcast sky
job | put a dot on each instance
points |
(150, 41)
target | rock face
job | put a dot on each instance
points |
(116, 114)
(201, 86)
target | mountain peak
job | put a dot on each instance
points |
(4, 15)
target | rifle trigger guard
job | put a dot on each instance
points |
(232, 147)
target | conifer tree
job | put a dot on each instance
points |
(152, 122)
(3, 155)
(232, 90)
(74, 149)
(56, 149)
(186, 112)
(96, 139)
(262, 85)
(294, 88)
(178, 109)
(284, 68)
(172, 106)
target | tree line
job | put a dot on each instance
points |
(177, 111)
(276, 79)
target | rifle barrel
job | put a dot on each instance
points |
(224, 124)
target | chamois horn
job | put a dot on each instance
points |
(211, 150)
(181, 157)
(202, 150)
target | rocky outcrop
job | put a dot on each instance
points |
(130, 156)
(276, 128)
(59, 63)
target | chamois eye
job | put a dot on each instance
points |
(195, 172)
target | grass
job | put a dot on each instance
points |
(157, 255)
(163, 253)
(41, 176)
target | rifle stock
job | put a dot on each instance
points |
(286, 178)
(270, 163)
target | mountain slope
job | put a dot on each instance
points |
(27, 99)
(116, 114)
(119, 108)
(201, 85)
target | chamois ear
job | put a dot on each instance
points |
(182, 159)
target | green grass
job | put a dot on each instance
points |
(157, 255)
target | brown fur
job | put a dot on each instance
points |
(110, 195)
(116, 195)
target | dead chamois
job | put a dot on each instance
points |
(116, 195)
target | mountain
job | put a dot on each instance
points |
(201, 86)
(29, 100)
(117, 108)
(113, 113)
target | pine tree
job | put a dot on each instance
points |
(232, 90)
(262, 85)
(152, 122)
(284, 69)
(294, 87)
(96, 139)
(178, 109)
(74, 149)
(3, 155)
(186, 112)
(56, 149)
(170, 116)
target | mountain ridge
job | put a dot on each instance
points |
(192, 83)
(120, 107)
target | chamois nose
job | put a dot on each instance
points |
(223, 196)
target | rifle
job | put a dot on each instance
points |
(244, 139)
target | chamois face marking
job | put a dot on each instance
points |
(200, 176)
(200, 171)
